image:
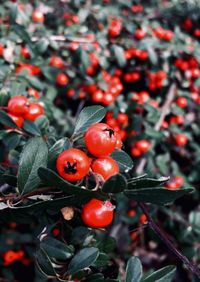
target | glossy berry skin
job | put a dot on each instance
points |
(143, 146)
(56, 62)
(73, 164)
(34, 111)
(18, 105)
(62, 79)
(100, 140)
(106, 167)
(119, 143)
(181, 140)
(181, 102)
(17, 120)
(37, 16)
(97, 214)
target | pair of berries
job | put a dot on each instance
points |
(140, 147)
(20, 109)
(73, 164)
(175, 183)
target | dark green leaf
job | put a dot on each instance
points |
(158, 196)
(51, 178)
(146, 182)
(115, 184)
(56, 249)
(83, 259)
(165, 274)
(87, 117)
(11, 140)
(4, 97)
(101, 261)
(31, 128)
(57, 149)
(33, 156)
(6, 120)
(133, 270)
(119, 55)
(124, 161)
(44, 264)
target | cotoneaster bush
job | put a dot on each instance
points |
(94, 94)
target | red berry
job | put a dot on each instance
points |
(62, 79)
(97, 214)
(37, 16)
(100, 140)
(105, 166)
(73, 164)
(181, 102)
(143, 146)
(34, 111)
(56, 62)
(181, 139)
(25, 53)
(140, 33)
(18, 105)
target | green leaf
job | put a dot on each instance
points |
(4, 98)
(115, 184)
(33, 156)
(31, 128)
(124, 161)
(119, 55)
(56, 249)
(11, 140)
(44, 264)
(84, 58)
(83, 259)
(87, 117)
(22, 33)
(57, 149)
(146, 182)
(6, 120)
(133, 270)
(158, 196)
(102, 260)
(51, 178)
(165, 274)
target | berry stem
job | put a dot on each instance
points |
(165, 238)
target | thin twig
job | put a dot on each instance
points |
(165, 239)
(164, 111)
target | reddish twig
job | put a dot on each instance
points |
(165, 239)
(164, 111)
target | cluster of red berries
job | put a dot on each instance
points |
(70, 19)
(94, 63)
(156, 79)
(20, 108)
(175, 183)
(29, 68)
(131, 53)
(11, 256)
(140, 97)
(74, 164)
(163, 34)
(189, 66)
(107, 97)
(132, 76)
(101, 140)
(140, 147)
(115, 28)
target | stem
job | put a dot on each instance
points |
(164, 111)
(163, 236)
(15, 198)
